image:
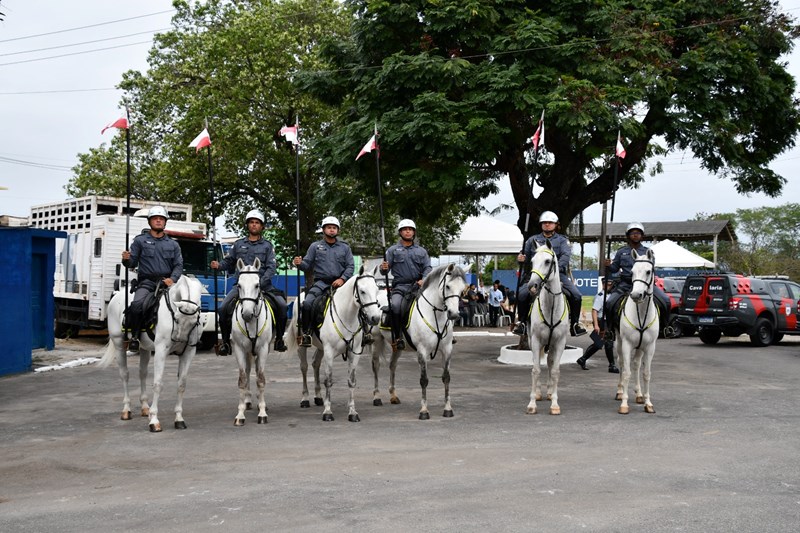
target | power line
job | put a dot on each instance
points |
(74, 53)
(85, 27)
(56, 91)
(45, 166)
(85, 42)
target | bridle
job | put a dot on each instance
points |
(440, 332)
(260, 303)
(196, 311)
(362, 317)
(552, 323)
(550, 272)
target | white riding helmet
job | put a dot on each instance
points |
(407, 223)
(633, 226)
(157, 211)
(548, 216)
(331, 220)
(256, 214)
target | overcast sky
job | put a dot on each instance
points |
(52, 109)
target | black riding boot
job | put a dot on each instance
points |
(576, 329)
(225, 326)
(612, 365)
(280, 329)
(523, 308)
(133, 324)
(397, 332)
(305, 324)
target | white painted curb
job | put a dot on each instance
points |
(510, 356)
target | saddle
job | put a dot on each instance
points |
(405, 311)
(149, 318)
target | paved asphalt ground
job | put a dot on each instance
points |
(720, 454)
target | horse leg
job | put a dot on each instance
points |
(317, 382)
(377, 351)
(144, 363)
(393, 398)
(624, 375)
(648, 359)
(620, 364)
(159, 362)
(184, 362)
(448, 409)
(261, 383)
(554, 367)
(117, 346)
(536, 394)
(248, 395)
(243, 384)
(423, 382)
(635, 370)
(327, 361)
(302, 353)
(352, 363)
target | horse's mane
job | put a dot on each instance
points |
(437, 273)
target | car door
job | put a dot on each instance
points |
(795, 290)
(785, 305)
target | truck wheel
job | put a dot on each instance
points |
(778, 337)
(65, 331)
(710, 336)
(763, 333)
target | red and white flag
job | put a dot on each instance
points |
(290, 133)
(620, 149)
(538, 135)
(201, 141)
(121, 123)
(371, 145)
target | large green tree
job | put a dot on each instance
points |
(232, 64)
(457, 87)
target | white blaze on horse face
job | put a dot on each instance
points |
(541, 265)
(642, 279)
(367, 289)
(454, 286)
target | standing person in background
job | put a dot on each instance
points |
(599, 338)
(496, 298)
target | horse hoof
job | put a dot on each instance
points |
(155, 428)
(538, 396)
(640, 400)
(318, 401)
(327, 417)
(377, 402)
(353, 418)
(180, 424)
(448, 413)
(531, 411)
(395, 400)
(238, 422)
(425, 416)
(126, 415)
(262, 419)
(248, 406)
(145, 411)
(623, 409)
(618, 397)
(555, 410)
(305, 404)
(649, 409)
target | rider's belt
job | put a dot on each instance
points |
(396, 282)
(329, 281)
(154, 279)
(626, 279)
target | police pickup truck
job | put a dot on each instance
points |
(765, 308)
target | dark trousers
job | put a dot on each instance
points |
(494, 312)
(312, 294)
(134, 315)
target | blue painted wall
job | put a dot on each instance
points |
(27, 266)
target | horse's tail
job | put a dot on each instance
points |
(290, 337)
(108, 356)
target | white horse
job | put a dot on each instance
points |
(431, 332)
(353, 307)
(549, 324)
(637, 332)
(251, 336)
(178, 331)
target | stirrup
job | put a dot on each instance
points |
(519, 329)
(366, 339)
(280, 346)
(577, 330)
(224, 349)
(399, 344)
(133, 345)
(305, 340)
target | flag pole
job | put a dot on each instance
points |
(380, 206)
(297, 221)
(215, 243)
(526, 233)
(128, 196)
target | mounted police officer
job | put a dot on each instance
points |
(248, 249)
(158, 259)
(330, 260)
(623, 263)
(409, 264)
(563, 251)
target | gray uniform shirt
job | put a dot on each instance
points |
(156, 258)
(561, 247)
(408, 264)
(247, 251)
(329, 261)
(623, 262)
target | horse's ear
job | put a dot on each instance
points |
(549, 244)
(651, 255)
(239, 264)
(634, 254)
(450, 267)
(361, 270)
(257, 264)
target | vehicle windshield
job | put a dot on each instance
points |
(197, 256)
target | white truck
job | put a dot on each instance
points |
(88, 261)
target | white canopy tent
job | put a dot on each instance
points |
(487, 236)
(671, 254)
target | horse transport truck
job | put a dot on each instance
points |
(88, 261)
